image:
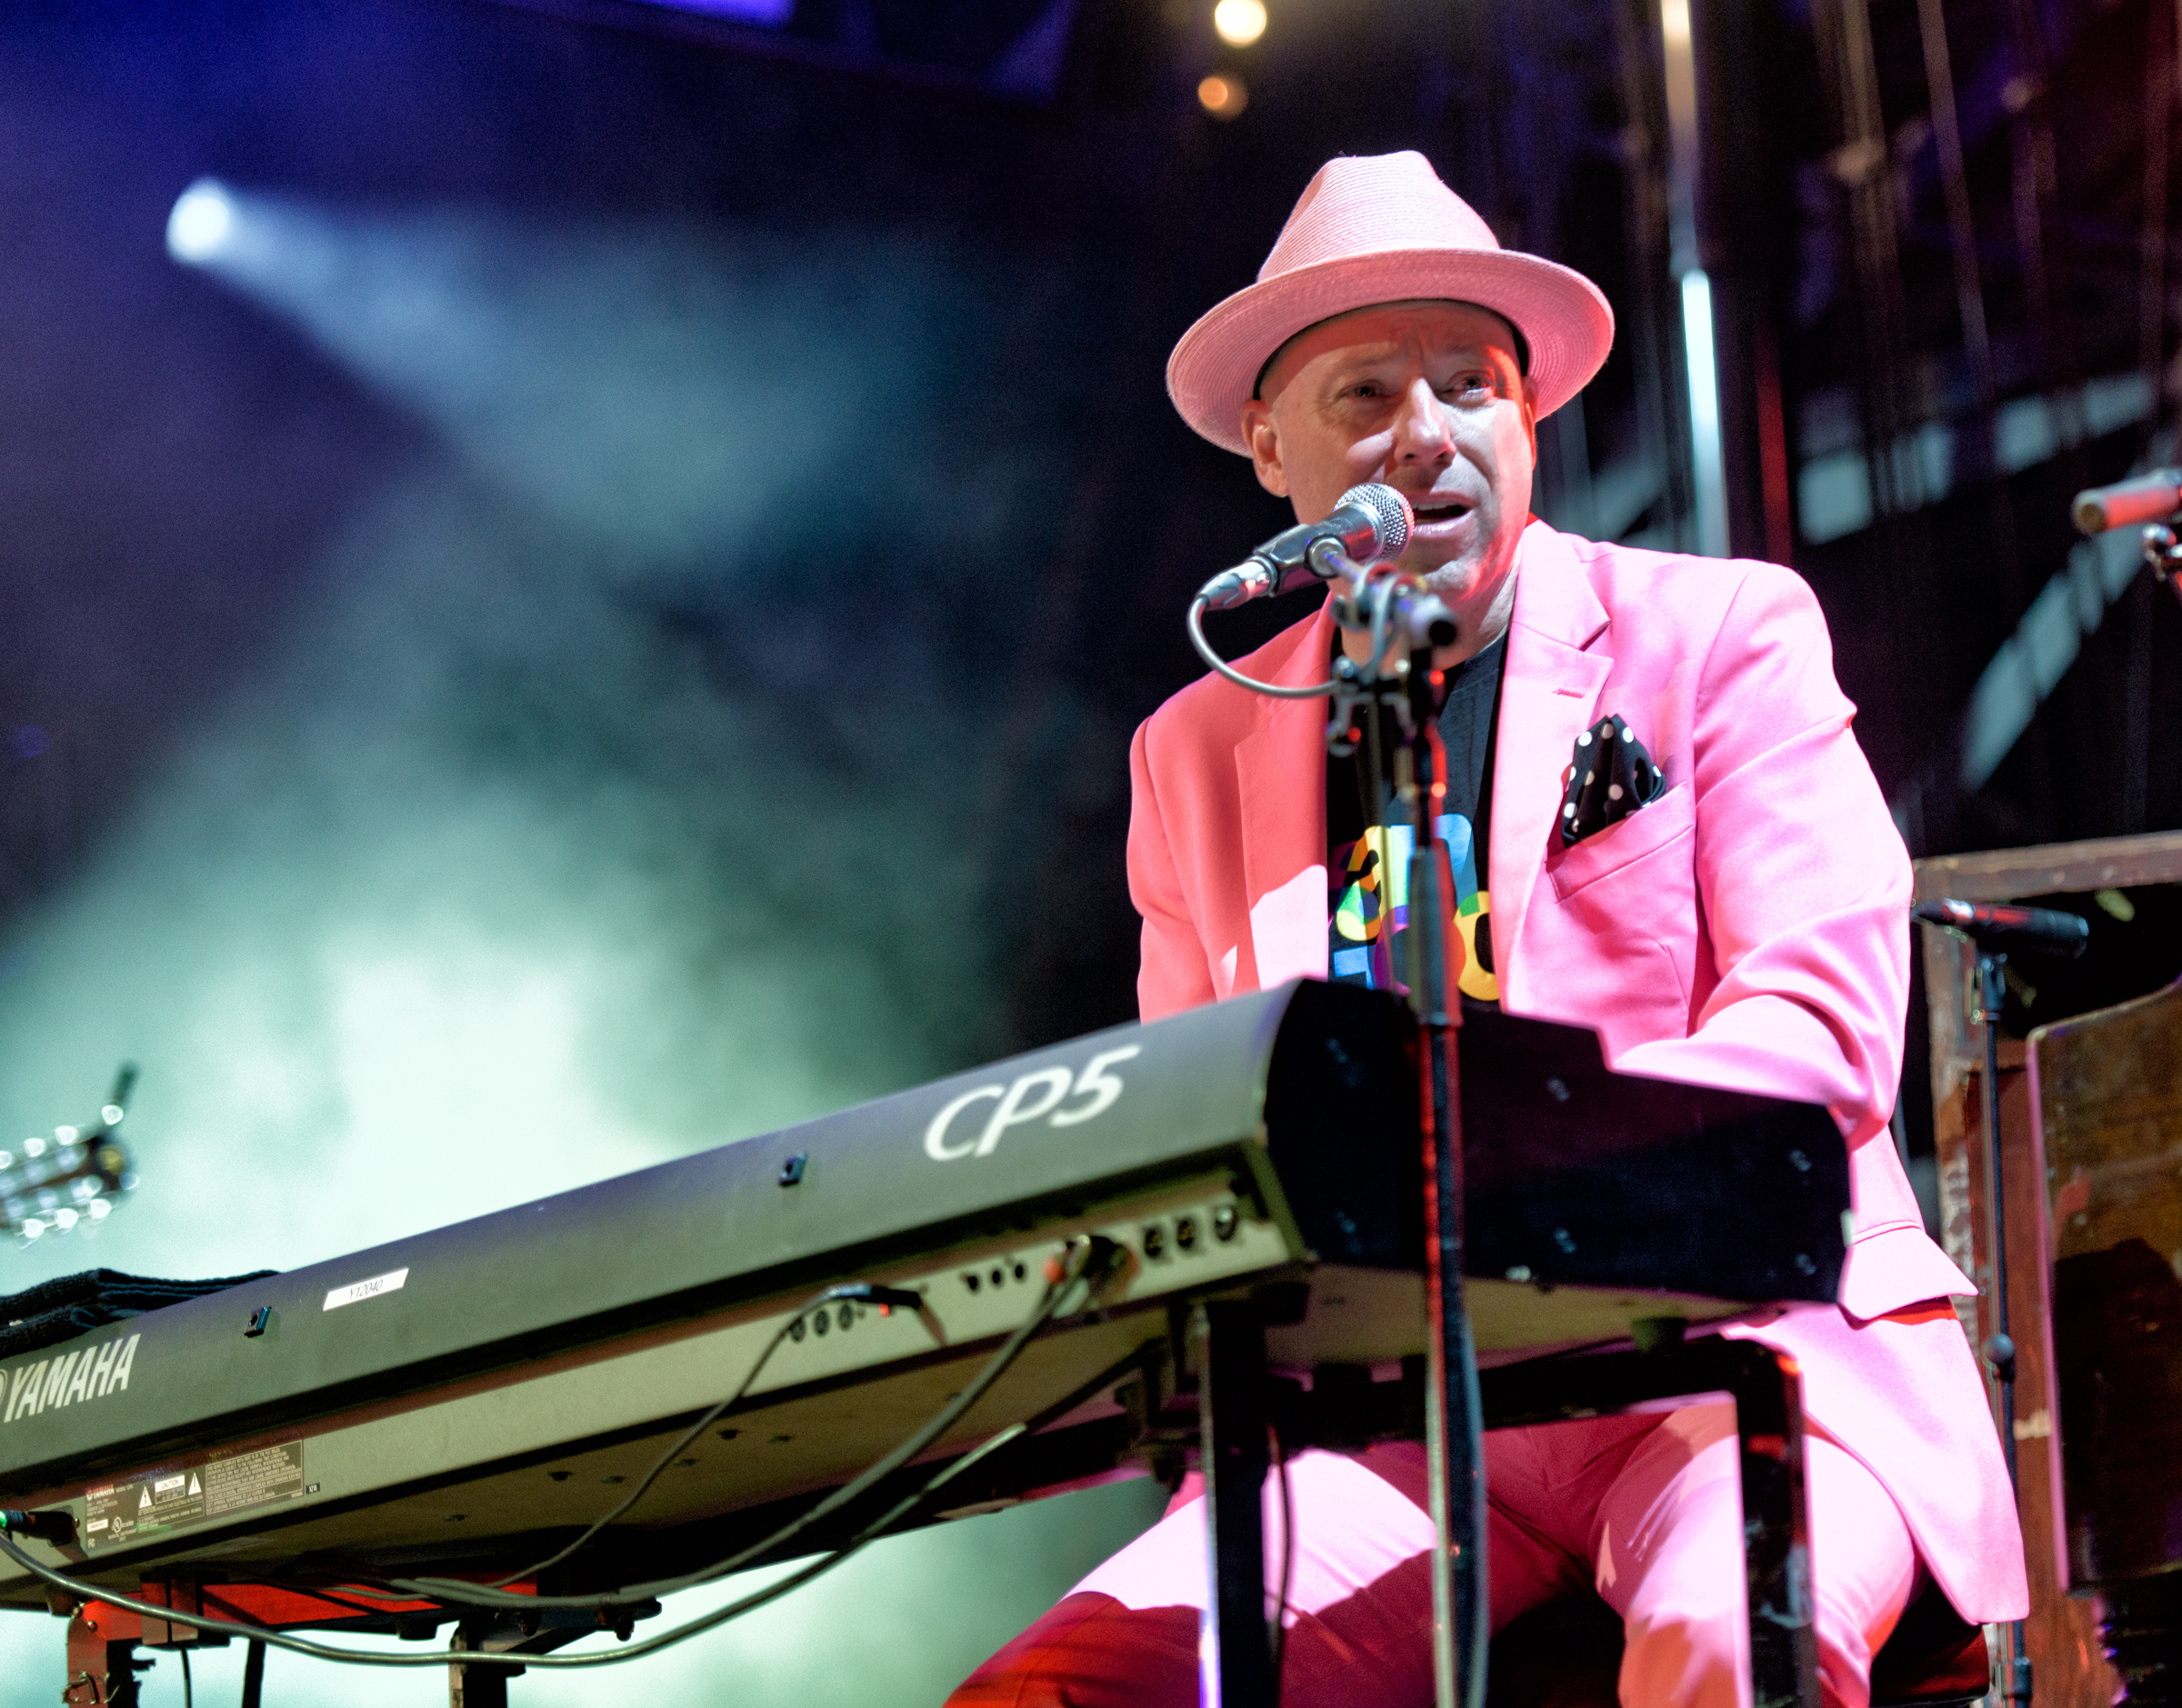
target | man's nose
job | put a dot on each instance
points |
(1420, 430)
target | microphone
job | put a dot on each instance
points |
(1371, 521)
(2152, 498)
(1998, 928)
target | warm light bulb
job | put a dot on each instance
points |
(1223, 97)
(1239, 22)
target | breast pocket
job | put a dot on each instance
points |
(1670, 818)
(1632, 890)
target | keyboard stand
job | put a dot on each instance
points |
(1768, 1393)
(1235, 1655)
(1765, 1386)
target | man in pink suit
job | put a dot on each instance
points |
(1663, 829)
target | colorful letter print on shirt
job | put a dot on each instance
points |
(1369, 880)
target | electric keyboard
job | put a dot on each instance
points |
(452, 1401)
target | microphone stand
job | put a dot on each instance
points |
(1990, 929)
(1405, 624)
(2000, 1346)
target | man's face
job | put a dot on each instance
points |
(1428, 397)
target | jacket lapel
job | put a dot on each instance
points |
(1280, 782)
(1549, 694)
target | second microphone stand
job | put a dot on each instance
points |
(1405, 624)
(2015, 1685)
(1991, 930)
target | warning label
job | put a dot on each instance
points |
(163, 1500)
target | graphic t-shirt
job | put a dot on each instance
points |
(1369, 840)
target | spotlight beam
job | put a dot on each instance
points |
(201, 223)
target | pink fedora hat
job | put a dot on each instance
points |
(1383, 228)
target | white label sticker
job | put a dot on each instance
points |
(356, 1291)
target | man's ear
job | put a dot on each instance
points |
(1530, 414)
(1263, 440)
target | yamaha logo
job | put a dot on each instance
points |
(89, 1374)
(1052, 1094)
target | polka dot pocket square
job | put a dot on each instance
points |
(1611, 777)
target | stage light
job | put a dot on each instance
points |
(1223, 97)
(1708, 464)
(203, 219)
(1239, 22)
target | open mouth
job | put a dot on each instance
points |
(1452, 512)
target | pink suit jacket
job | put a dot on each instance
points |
(1747, 928)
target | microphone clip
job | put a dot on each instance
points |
(2162, 551)
(1400, 617)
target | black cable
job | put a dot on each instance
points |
(851, 1290)
(316, 1590)
(1196, 625)
(189, 1695)
(334, 1598)
(1058, 1288)
(1136, 1360)
(1288, 1562)
(259, 1637)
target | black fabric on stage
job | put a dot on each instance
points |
(69, 1305)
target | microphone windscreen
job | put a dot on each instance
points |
(1389, 509)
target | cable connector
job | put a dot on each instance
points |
(55, 1524)
(888, 1299)
(1091, 1258)
(1249, 580)
(1104, 1260)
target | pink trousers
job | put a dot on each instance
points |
(1645, 1509)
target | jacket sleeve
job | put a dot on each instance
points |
(1173, 973)
(1801, 876)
